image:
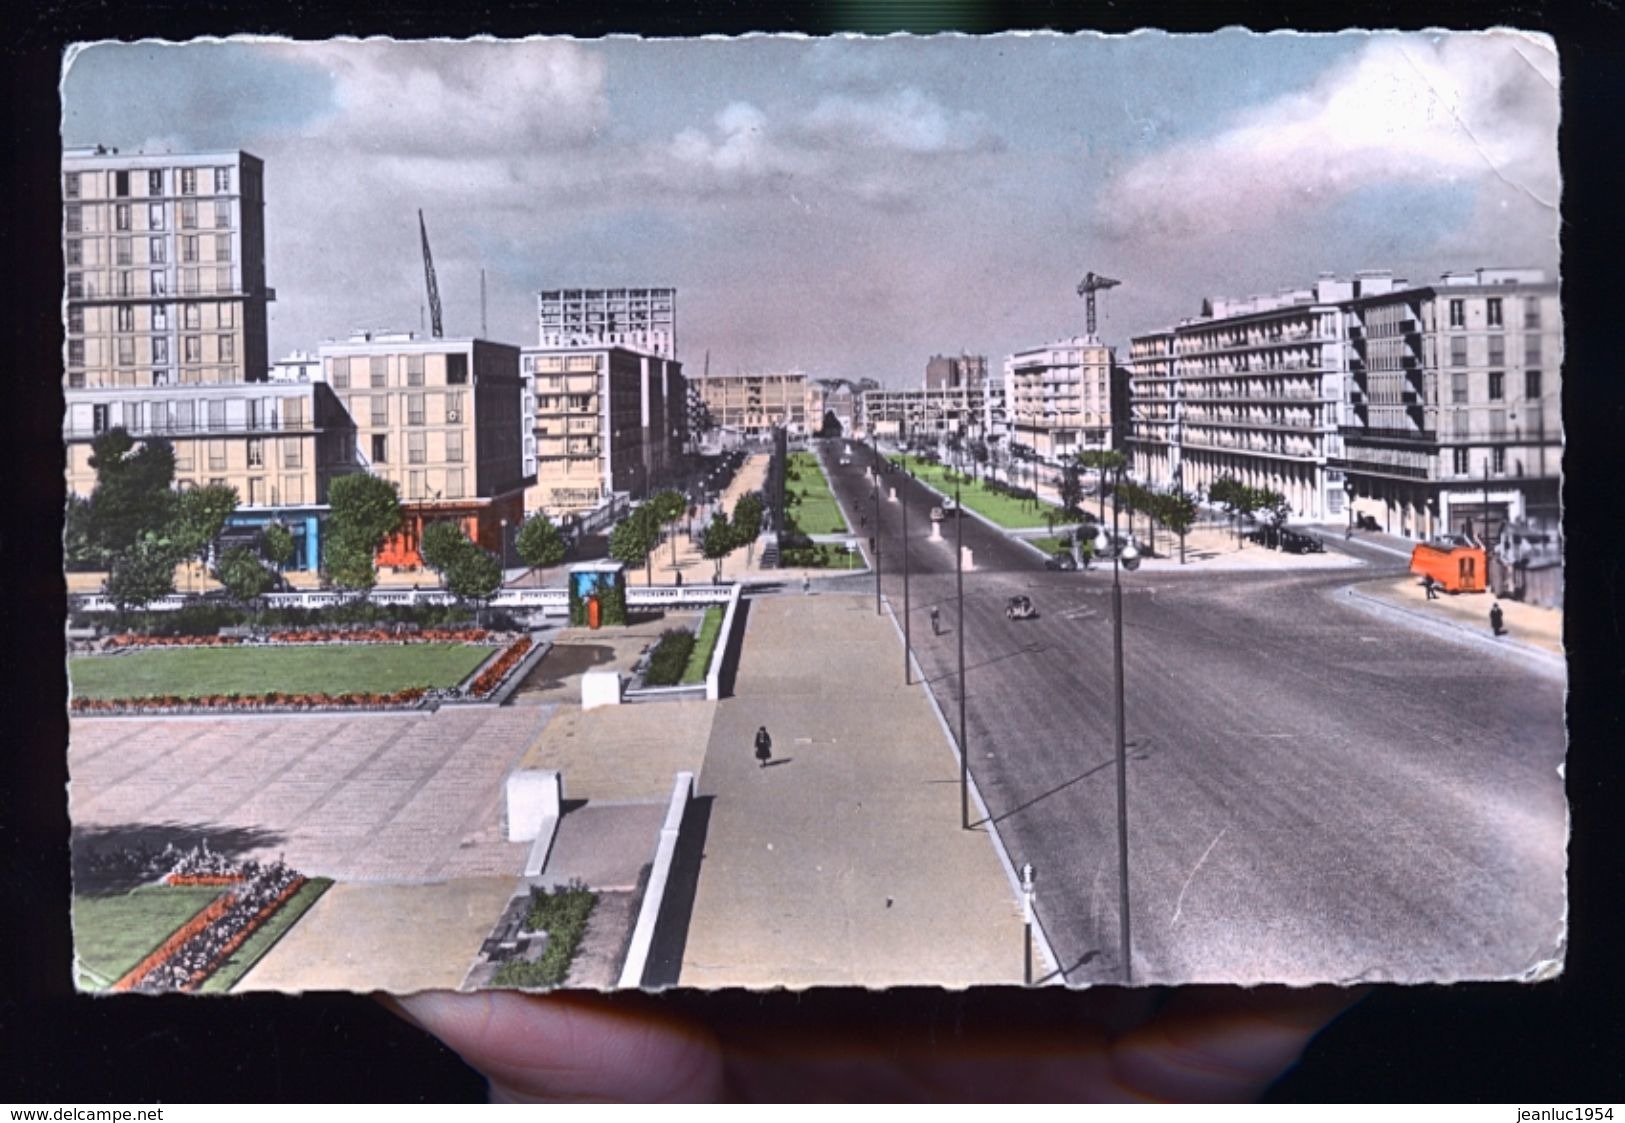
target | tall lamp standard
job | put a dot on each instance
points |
(908, 634)
(876, 471)
(959, 626)
(504, 542)
(1348, 488)
(1126, 557)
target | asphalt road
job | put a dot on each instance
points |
(1315, 792)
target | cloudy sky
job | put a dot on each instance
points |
(851, 206)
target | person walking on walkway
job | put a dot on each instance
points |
(1497, 619)
(806, 584)
(1430, 587)
(936, 620)
(764, 746)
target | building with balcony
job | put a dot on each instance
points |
(1452, 422)
(1058, 397)
(925, 413)
(439, 418)
(753, 405)
(639, 319)
(600, 421)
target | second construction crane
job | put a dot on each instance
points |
(434, 289)
(1091, 284)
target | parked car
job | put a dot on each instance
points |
(1019, 608)
(1293, 542)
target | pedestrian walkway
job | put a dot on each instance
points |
(843, 862)
(1525, 624)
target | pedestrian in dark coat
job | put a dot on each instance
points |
(936, 620)
(764, 746)
(1431, 587)
(1496, 619)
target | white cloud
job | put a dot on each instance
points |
(905, 120)
(1407, 110)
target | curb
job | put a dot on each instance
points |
(1541, 658)
(1041, 937)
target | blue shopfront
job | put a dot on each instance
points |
(304, 523)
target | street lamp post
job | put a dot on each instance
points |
(877, 539)
(908, 634)
(1130, 557)
(959, 582)
(1348, 489)
(1028, 876)
(504, 543)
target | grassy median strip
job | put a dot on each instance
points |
(113, 934)
(563, 915)
(265, 937)
(1003, 510)
(194, 672)
(699, 662)
(811, 504)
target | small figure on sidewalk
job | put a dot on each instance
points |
(806, 584)
(1430, 586)
(1497, 618)
(678, 581)
(936, 620)
(764, 746)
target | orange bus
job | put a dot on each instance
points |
(1455, 566)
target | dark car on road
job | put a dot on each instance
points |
(1061, 562)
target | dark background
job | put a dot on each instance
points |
(1556, 1042)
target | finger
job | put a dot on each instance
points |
(1221, 1043)
(571, 1048)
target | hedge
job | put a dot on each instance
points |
(563, 915)
(670, 658)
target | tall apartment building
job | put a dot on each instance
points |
(1452, 418)
(165, 265)
(640, 319)
(600, 421)
(1058, 397)
(440, 419)
(297, 366)
(924, 413)
(752, 405)
(952, 371)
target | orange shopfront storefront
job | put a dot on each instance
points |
(485, 521)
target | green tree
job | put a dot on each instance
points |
(1274, 506)
(668, 506)
(243, 574)
(831, 426)
(350, 565)
(366, 509)
(632, 541)
(142, 573)
(474, 574)
(717, 541)
(1231, 494)
(539, 543)
(200, 514)
(748, 514)
(78, 554)
(1071, 489)
(133, 497)
(1178, 515)
(278, 545)
(442, 544)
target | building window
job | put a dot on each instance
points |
(414, 370)
(76, 286)
(228, 348)
(222, 247)
(454, 447)
(380, 449)
(70, 185)
(191, 349)
(156, 253)
(1498, 460)
(454, 407)
(456, 370)
(126, 283)
(293, 453)
(222, 180)
(454, 483)
(155, 216)
(1458, 350)
(339, 372)
(1459, 458)
(188, 214)
(378, 369)
(121, 184)
(155, 182)
(1531, 313)
(188, 181)
(125, 350)
(228, 315)
(414, 485)
(1463, 425)
(125, 317)
(76, 352)
(415, 448)
(293, 490)
(1498, 385)
(414, 409)
(123, 251)
(380, 411)
(158, 282)
(1494, 312)
(189, 282)
(160, 317)
(256, 453)
(189, 248)
(1498, 424)
(222, 214)
(1458, 313)
(183, 455)
(98, 419)
(217, 415)
(160, 348)
(191, 316)
(1531, 385)
(222, 279)
(256, 492)
(76, 319)
(217, 453)
(1498, 350)
(76, 251)
(121, 217)
(293, 413)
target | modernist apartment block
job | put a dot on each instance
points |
(752, 405)
(1058, 397)
(165, 265)
(440, 419)
(277, 444)
(639, 319)
(599, 421)
(1452, 421)
(925, 413)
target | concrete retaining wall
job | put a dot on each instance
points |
(713, 676)
(643, 933)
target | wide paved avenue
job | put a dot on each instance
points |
(1315, 791)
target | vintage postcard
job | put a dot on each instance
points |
(779, 512)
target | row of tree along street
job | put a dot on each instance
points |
(634, 539)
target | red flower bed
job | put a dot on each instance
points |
(492, 676)
(169, 947)
(307, 636)
(203, 879)
(275, 699)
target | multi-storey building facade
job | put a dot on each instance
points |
(600, 421)
(440, 419)
(832, 396)
(924, 413)
(297, 366)
(165, 266)
(753, 405)
(640, 319)
(1452, 420)
(1058, 397)
(1153, 443)
(952, 371)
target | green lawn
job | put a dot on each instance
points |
(820, 555)
(699, 663)
(816, 512)
(189, 672)
(265, 937)
(1051, 546)
(113, 934)
(1012, 514)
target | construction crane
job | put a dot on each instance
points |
(434, 289)
(1091, 284)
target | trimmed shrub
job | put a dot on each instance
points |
(670, 658)
(563, 915)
